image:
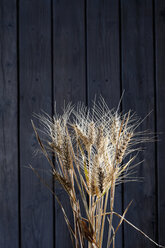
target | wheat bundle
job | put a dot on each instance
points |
(94, 150)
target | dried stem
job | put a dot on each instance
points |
(112, 195)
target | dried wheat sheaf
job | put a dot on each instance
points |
(94, 150)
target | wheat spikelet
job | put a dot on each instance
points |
(115, 127)
(55, 148)
(122, 146)
(91, 133)
(81, 136)
(66, 155)
(101, 177)
(59, 133)
(100, 139)
(63, 181)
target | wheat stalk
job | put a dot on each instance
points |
(94, 151)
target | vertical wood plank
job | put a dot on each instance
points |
(160, 79)
(9, 223)
(103, 67)
(69, 81)
(138, 82)
(35, 94)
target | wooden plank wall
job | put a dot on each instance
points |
(51, 50)
(103, 65)
(35, 87)
(138, 82)
(9, 143)
(69, 81)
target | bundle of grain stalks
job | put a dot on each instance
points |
(93, 150)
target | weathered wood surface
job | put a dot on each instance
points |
(138, 82)
(160, 107)
(69, 82)
(103, 66)
(9, 182)
(71, 50)
(35, 94)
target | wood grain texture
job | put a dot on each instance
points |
(35, 95)
(69, 81)
(138, 82)
(72, 50)
(9, 222)
(160, 86)
(103, 67)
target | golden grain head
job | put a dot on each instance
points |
(100, 139)
(91, 132)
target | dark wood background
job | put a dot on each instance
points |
(51, 50)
